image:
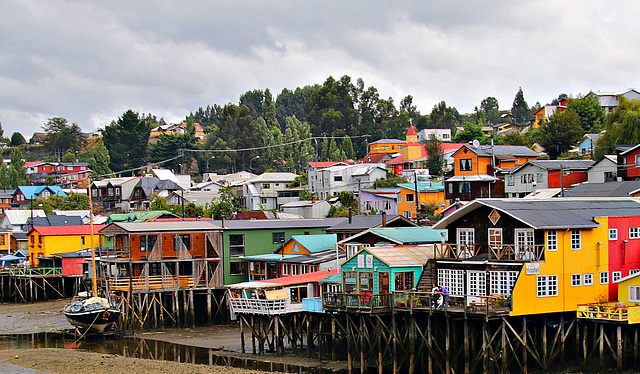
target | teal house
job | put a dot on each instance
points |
(392, 237)
(245, 238)
(382, 270)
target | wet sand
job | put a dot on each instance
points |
(48, 316)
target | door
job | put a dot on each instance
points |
(466, 239)
(383, 282)
(524, 244)
(476, 286)
(495, 240)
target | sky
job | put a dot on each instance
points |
(90, 61)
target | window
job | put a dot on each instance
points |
(539, 177)
(110, 191)
(613, 234)
(634, 271)
(604, 277)
(637, 160)
(367, 205)
(147, 242)
(407, 214)
(465, 164)
(236, 245)
(404, 280)
(237, 268)
(286, 269)
(408, 197)
(303, 269)
(576, 280)
(384, 147)
(2, 239)
(575, 240)
(547, 285)
(82, 240)
(278, 237)
(588, 279)
(464, 187)
(386, 204)
(634, 293)
(337, 178)
(502, 282)
(182, 242)
(295, 269)
(616, 275)
(349, 279)
(266, 186)
(452, 280)
(511, 180)
(552, 240)
(634, 232)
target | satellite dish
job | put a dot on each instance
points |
(475, 143)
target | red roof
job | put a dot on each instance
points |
(326, 164)
(450, 147)
(373, 158)
(316, 276)
(66, 230)
(411, 130)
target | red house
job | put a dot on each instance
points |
(629, 163)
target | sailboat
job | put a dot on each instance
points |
(92, 313)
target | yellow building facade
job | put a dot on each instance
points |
(44, 241)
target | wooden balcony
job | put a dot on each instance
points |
(504, 252)
(241, 305)
(345, 302)
(610, 312)
(490, 305)
(150, 283)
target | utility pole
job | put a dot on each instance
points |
(415, 181)
(561, 180)
(359, 198)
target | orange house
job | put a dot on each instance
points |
(429, 193)
(387, 146)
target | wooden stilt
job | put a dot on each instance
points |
(619, 347)
(192, 311)
(242, 322)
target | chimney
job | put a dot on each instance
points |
(350, 216)
(384, 219)
(223, 223)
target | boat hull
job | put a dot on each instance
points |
(97, 320)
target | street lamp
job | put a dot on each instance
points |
(251, 162)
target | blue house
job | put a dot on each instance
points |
(588, 144)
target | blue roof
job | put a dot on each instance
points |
(34, 192)
(316, 243)
(411, 235)
(424, 186)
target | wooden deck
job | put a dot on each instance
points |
(150, 283)
(609, 312)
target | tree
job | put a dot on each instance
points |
(589, 111)
(435, 156)
(470, 132)
(17, 139)
(443, 117)
(62, 137)
(100, 161)
(126, 140)
(225, 205)
(491, 110)
(520, 110)
(560, 133)
(622, 125)
(14, 175)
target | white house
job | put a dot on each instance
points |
(261, 192)
(609, 100)
(307, 209)
(605, 170)
(443, 135)
(16, 220)
(329, 181)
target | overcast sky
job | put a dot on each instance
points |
(89, 61)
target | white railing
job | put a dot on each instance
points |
(262, 306)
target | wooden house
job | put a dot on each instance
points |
(542, 174)
(538, 255)
(428, 194)
(163, 255)
(44, 241)
(392, 237)
(345, 228)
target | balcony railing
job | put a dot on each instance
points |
(262, 306)
(612, 312)
(150, 283)
(363, 303)
(504, 252)
(489, 304)
(35, 272)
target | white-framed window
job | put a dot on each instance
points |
(613, 234)
(452, 280)
(386, 204)
(634, 293)
(552, 240)
(407, 214)
(634, 232)
(286, 269)
(304, 269)
(294, 269)
(637, 160)
(367, 205)
(588, 279)
(604, 277)
(502, 282)
(616, 275)
(476, 283)
(524, 244)
(634, 271)
(576, 280)
(466, 164)
(547, 285)
(576, 240)
(511, 180)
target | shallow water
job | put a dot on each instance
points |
(152, 349)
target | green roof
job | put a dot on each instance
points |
(138, 216)
(411, 235)
(316, 243)
(335, 278)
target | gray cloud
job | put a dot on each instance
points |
(89, 61)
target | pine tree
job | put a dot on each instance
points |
(520, 110)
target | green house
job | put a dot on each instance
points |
(241, 238)
(382, 270)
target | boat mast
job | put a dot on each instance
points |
(94, 280)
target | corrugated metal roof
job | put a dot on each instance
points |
(316, 243)
(257, 224)
(566, 164)
(287, 281)
(67, 230)
(365, 222)
(411, 235)
(274, 177)
(172, 226)
(556, 213)
(403, 256)
(609, 189)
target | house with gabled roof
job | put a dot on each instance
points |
(347, 227)
(261, 192)
(387, 146)
(391, 236)
(605, 170)
(606, 189)
(329, 181)
(543, 174)
(428, 195)
(379, 200)
(23, 195)
(114, 193)
(44, 241)
(609, 100)
(17, 220)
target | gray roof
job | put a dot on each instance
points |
(511, 150)
(364, 222)
(152, 184)
(257, 224)
(557, 164)
(57, 220)
(608, 189)
(171, 226)
(557, 213)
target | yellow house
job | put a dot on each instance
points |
(429, 193)
(387, 146)
(47, 240)
(574, 261)
(5, 240)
